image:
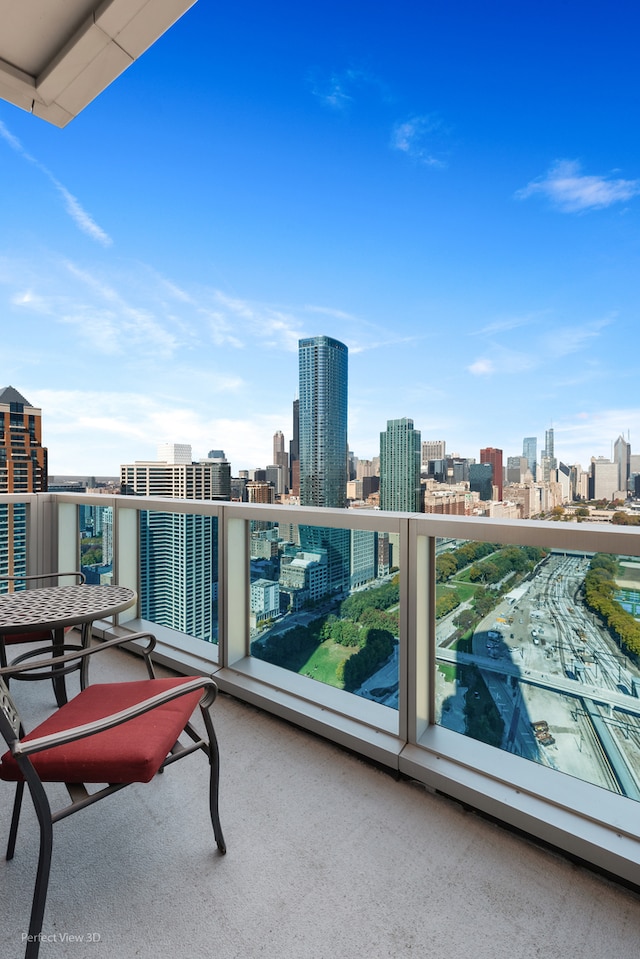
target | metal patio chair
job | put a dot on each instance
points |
(110, 733)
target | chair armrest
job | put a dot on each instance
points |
(64, 736)
(53, 661)
(23, 579)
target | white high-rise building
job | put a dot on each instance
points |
(178, 551)
(174, 453)
(432, 450)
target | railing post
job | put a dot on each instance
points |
(421, 646)
(126, 554)
(234, 618)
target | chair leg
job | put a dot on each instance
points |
(41, 887)
(15, 819)
(58, 678)
(214, 779)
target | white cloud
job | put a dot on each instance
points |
(573, 192)
(419, 137)
(482, 367)
(117, 428)
(80, 217)
(341, 89)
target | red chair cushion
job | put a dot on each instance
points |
(131, 752)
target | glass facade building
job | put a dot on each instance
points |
(323, 366)
(400, 467)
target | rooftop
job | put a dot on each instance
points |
(56, 57)
(328, 856)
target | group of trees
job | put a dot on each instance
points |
(366, 620)
(91, 550)
(511, 559)
(377, 647)
(625, 519)
(599, 593)
(451, 562)
(292, 649)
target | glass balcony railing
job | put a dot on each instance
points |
(324, 603)
(537, 655)
(495, 661)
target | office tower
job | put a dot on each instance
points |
(363, 558)
(178, 559)
(23, 469)
(622, 457)
(294, 452)
(400, 467)
(494, 456)
(603, 483)
(565, 482)
(220, 474)
(323, 421)
(323, 366)
(481, 480)
(432, 450)
(517, 468)
(174, 453)
(281, 459)
(530, 451)
(548, 462)
(275, 477)
(259, 492)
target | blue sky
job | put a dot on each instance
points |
(450, 188)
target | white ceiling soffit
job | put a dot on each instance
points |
(56, 56)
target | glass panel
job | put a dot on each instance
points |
(325, 604)
(96, 543)
(538, 654)
(13, 544)
(179, 572)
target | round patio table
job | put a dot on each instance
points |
(55, 608)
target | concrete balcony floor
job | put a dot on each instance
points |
(328, 857)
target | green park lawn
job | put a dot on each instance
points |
(324, 661)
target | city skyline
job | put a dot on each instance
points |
(410, 183)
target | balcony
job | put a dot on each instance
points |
(329, 854)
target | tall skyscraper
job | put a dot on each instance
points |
(23, 469)
(494, 456)
(294, 451)
(323, 366)
(530, 452)
(400, 467)
(178, 561)
(548, 460)
(281, 459)
(622, 456)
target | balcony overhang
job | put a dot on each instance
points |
(57, 56)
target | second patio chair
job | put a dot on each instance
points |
(110, 733)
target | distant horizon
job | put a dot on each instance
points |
(452, 191)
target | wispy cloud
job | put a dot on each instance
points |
(505, 325)
(554, 343)
(80, 217)
(574, 192)
(341, 89)
(270, 325)
(482, 367)
(420, 138)
(124, 426)
(571, 339)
